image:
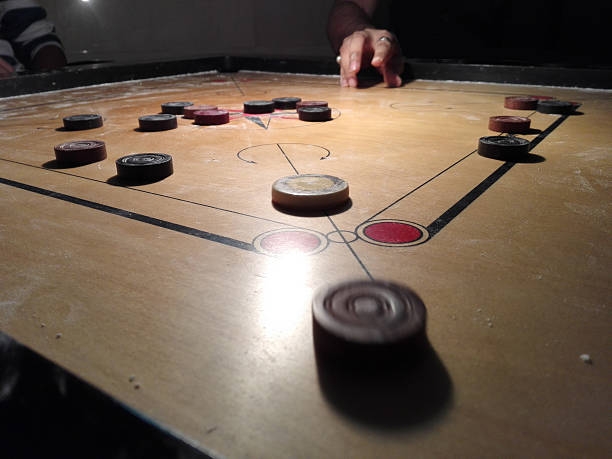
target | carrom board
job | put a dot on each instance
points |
(188, 300)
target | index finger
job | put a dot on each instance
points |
(350, 59)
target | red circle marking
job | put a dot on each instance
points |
(393, 232)
(290, 242)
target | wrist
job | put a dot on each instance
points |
(345, 19)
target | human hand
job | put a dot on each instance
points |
(6, 69)
(370, 47)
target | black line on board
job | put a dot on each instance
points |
(237, 85)
(287, 158)
(350, 247)
(133, 216)
(439, 223)
(401, 198)
(151, 193)
(436, 226)
(542, 135)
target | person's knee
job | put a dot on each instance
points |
(48, 57)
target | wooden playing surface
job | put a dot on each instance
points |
(189, 299)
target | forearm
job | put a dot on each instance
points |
(346, 17)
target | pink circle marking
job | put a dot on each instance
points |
(290, 241)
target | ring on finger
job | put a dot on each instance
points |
(338, 59)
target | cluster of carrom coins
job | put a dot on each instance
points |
(140, 167)
(210, 115)
(148, 167)
(510, 147)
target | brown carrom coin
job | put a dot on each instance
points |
(367, 318)
(510, 124)
(80, 152)
(521, 102)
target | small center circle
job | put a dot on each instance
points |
(367, 306)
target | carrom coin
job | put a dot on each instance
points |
(314, 114)
(311, 103)
(557, 107)
(286, 103)
(503, 147)
(365, 316)
(211, 117)
(310, 192)
(258, 106)
(175, 108)
(510, 124)
(521, 102)
(83, 122)
(158, 122)
(80, 152)
(144, 167)
(189, 112)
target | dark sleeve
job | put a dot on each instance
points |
(6, 52)
(27, 29)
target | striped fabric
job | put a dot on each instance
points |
(24, 29)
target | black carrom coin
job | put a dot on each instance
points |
(507, 148)
(286, 103)
(83, 122)
(175, 108)
(258, 106)
(159, 122)
(144, 167)
(314, 114)
(557, 107)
